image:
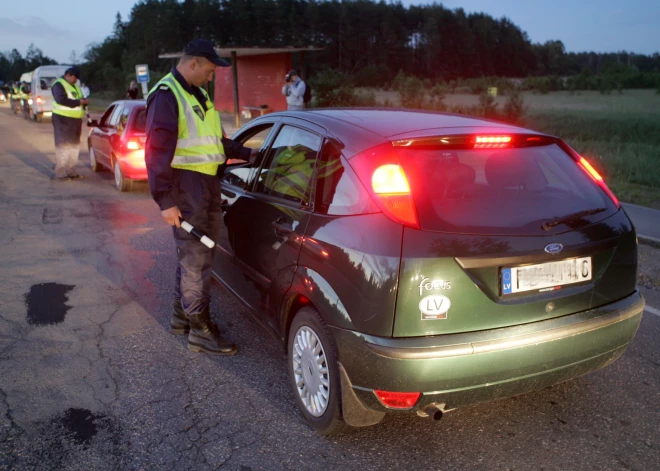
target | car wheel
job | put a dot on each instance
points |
(123, 184)
(314, 372)
(93, 164)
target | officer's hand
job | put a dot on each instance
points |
(84, 101)
(253, 155)
(172, 216)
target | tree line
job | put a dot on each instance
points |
(371, 41)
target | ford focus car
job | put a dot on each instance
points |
(421, 262)
(116, 142)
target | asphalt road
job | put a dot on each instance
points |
(102, 384)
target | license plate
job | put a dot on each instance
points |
(47, 113)
(543, 277)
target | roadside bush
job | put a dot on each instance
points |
(487, 106)
(333, 87)
(437, 96)
(411, 90)
(372, 76)
(514, 108)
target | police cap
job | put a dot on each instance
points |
(204, 48)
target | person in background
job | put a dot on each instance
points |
(294, 90)
(68, 111)
(132, 92)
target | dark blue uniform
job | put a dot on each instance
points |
(195, 194)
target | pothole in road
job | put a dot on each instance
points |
(46, 303)
(79, 423)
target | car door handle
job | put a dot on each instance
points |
(231, 194)
(282, 227)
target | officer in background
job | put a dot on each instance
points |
(67, 117)
(25, 99)
(185, 152)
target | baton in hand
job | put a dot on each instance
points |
(186, 226)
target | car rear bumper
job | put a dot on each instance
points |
(463, 369)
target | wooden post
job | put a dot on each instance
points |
(234, 70)
(303, 66)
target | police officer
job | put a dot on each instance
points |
(184, 151)
(25, 99)
(67, 117)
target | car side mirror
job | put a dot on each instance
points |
(92, 123)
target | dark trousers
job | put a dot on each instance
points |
(67, 144)
(198, 199)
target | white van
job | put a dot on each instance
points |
(42, 97)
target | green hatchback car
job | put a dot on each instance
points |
(421, 262)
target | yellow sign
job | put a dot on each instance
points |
(492, 91)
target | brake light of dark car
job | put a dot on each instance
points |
(397, 400)
(39, 100)
(492, 142)
(133, 144)
(380, 172)
(595, 176)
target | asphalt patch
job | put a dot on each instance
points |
(79, 424)
(46, 303)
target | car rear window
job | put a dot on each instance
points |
(140, 122)
(499, 191)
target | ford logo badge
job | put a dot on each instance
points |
(554, 248)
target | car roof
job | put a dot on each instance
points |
(129, 102)
(397, 123)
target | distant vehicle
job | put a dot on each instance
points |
(422, 262)
(42, 97)
(116, 142)
(3, 98)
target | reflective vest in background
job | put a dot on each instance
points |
(291, 173)
(73, 93)
(199, 144)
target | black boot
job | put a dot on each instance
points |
(205, 337)
(179, 325)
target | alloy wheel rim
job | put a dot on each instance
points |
(117, 175)
(310, 370)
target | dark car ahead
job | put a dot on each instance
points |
(116, 142)
(423, 262)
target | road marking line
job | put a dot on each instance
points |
(652, 310)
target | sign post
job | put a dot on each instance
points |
(142, 73)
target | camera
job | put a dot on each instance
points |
(287, 79)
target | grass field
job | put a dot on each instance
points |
(618, 133)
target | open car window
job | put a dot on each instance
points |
(240, 173)
(289, 169)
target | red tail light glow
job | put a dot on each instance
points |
(492, 142)
(390, 185)
(589, 170)
(39, 100)
(397, 400)
(133, 145)
(379, 170)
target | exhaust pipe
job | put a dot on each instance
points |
(432, 411)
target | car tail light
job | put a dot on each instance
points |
(595, 176)
(397, 400)
(133, 144)
(39, 100)
(380, 172)
(492, 142)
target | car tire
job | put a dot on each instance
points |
(123, 184)
(39, 118)
(93, 163)
(316, 369)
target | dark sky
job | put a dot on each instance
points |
(582, 25)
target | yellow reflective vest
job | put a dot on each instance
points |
(199, 143)
(73, 93)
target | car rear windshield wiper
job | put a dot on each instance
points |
(547, 225)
